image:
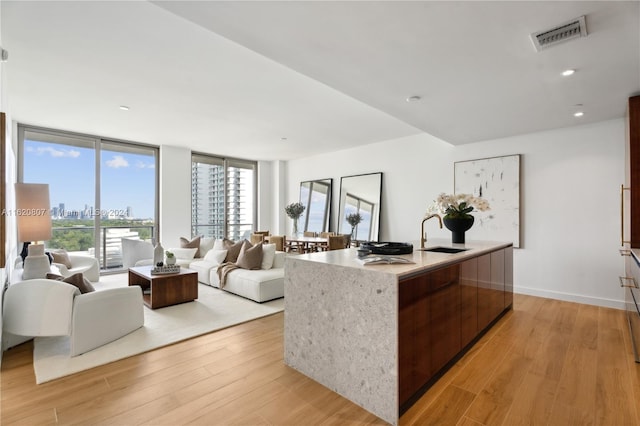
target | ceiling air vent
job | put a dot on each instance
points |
(563, 32)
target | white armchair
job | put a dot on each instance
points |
(44, 307)
(134, 251)
(88, 265)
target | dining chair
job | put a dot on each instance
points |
(336, 242)
(279, 241)
(309, 234)
(256, 238)
(327, 234)
(265, 233)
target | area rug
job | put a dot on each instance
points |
(213, 310)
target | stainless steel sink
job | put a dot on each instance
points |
(449, 250)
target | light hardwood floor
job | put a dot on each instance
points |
(546, 362)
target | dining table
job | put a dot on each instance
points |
(309, 244)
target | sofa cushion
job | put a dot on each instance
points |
(194, 243)
(258, 285)
(183, 253)
(61, 256)
(206, 244)
(203, 268)
(215, 256)
(250, 257)
(222, 244)
(268, 253)
(278, 260)
(78, 280)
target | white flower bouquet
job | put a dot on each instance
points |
(456, 206)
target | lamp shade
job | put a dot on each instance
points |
(33, 214)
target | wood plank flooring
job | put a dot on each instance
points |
(546, 362)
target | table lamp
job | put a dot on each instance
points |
(34, 224)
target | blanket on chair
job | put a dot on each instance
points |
(223, 270)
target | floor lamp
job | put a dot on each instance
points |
(34, 224)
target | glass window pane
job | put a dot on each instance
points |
(240, 205)
(67, 164)
(207, 198)
(222, 197)
(126, 213)
(124, 206)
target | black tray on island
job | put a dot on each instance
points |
(385, 247)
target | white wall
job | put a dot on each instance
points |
(415, 170)
(570, 181)
(175, 195)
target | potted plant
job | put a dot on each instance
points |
(171, 258)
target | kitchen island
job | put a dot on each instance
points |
(379, 335)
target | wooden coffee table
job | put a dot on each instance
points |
(163, 290)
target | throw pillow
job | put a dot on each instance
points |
(250, 257)
(61, 256)
(195, 243)
(221, 244)
(234, 250)
(215, 256)
(268, 254)
(183, 253)
(78, 280)
(206, 244)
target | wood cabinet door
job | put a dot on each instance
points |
(484, 292)
(444, 303)
(497, 283)
(468, 301)
(414, 341)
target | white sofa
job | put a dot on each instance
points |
(259, 285)
(140, 253)
(43, 307)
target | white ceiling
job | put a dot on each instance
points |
(281, 80)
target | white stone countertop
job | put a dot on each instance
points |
(423, 260)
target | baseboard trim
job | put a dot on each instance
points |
(570, 297)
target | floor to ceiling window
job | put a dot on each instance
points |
(223, 197)
(100, 190)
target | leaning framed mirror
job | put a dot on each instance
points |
(360, 194)
(315, 196)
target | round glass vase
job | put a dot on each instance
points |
(458, 226)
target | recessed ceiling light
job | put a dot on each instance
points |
(283, 138)
(567, 73)
(414, 98)
(578, 114)
(124, 107)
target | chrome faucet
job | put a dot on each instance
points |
(423, 235)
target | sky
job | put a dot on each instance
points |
(126, 179)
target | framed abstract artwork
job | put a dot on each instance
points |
(497, 180)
